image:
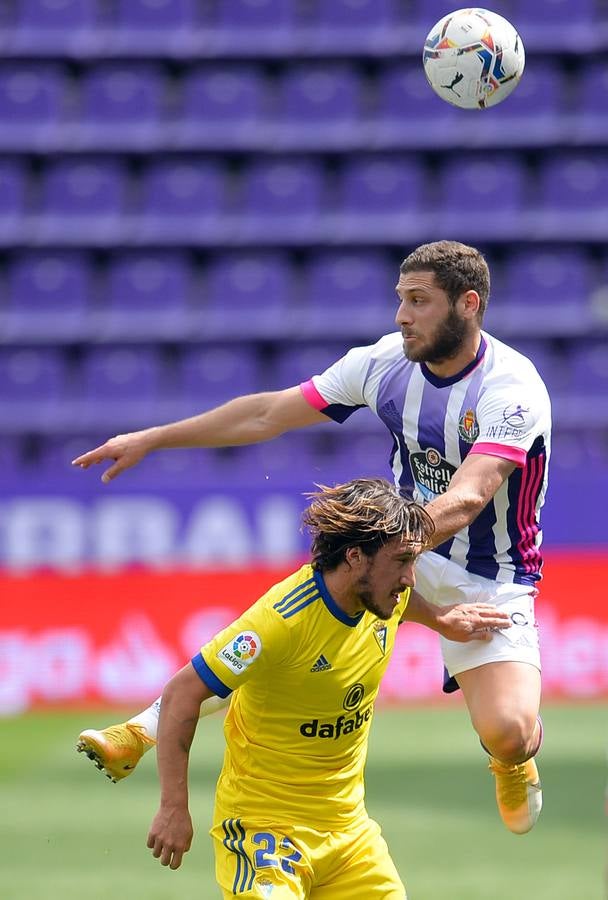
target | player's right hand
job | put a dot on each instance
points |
(125, 450)
(170, 835)
(471, 621)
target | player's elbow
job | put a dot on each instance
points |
(472, 502)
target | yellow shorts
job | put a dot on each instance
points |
(299, 863)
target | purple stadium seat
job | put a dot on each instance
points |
(289, 459)
(430, 11)
(146, 282)
(174, 188)
(212, 374)
(12, 465)
(541, 92)
(50, 281)
(578, 451)
(592, 89)
(121, 373)
(159, 15)
(481, 185)
(147, 295)
(564, 12)
(362, 455)
(549, 361)
(253, 14)
(381, 185)
(84, 187)
(404, 93)
(575, 183)
(588, 370)
(123, 94)
(30, 375)
(349, 285)
(368, 14)
(216, 93)
(32, 94)
(281, 197)
(547, 277)
(49, 293)
(13, 188)
(57, 452)
(257, 286)
(298, 363)
(327, 93)
(45, 15)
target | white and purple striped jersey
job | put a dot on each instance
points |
(497, 405)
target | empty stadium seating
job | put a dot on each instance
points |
(201, 199)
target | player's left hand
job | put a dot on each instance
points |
(170, 835)
(471, 621)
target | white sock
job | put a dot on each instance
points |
(148, 719)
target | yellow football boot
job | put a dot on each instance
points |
(518, 794)
(115, 750)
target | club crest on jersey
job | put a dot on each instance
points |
(265, 886)
(238, 654)
(380, 633)
(468, 427)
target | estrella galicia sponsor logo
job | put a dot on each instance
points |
(432, 473)
(515, 415)
(354, 696)
(342, 725)
(238, 654)
(468, 426)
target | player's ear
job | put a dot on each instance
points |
(353, 556)
(470, 303)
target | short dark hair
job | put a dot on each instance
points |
(365, 513)
(457, 268)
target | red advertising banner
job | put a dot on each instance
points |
(117, 638)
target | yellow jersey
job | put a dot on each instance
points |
(297, 729)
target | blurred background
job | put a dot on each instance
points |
(203, 198)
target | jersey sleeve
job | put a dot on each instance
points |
(256, 641)
(340, 390)
(511, 418)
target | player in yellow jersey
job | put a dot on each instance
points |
(307, 659)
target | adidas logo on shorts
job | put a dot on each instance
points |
(321, 665)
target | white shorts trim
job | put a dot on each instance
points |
(444, 582)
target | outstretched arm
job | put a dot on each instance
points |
(457, 622)
(171, 831)
(472, 487)
(245, 420)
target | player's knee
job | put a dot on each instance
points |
(511, 740)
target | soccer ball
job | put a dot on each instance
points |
(473, 58)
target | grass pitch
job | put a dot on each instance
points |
(67, 833)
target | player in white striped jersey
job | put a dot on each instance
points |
(470, 425)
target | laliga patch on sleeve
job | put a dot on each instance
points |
(239, 653)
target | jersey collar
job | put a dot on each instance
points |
(331, 604)
(436, 381)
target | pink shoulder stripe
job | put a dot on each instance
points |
(513, 454)
(311, 394)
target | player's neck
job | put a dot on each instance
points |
(448, 367)
(339, 585)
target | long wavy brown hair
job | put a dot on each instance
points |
(365, 513)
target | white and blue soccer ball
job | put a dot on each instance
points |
(473, 58)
